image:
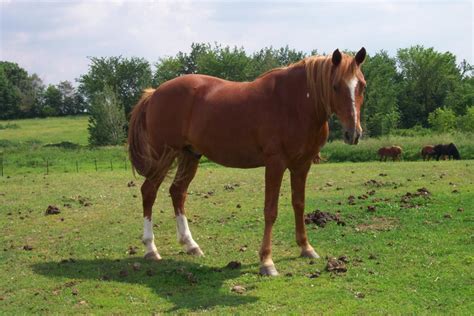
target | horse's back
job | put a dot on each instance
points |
(218, 118)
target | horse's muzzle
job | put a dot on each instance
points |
(352, 137)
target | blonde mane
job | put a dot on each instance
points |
(318, 77)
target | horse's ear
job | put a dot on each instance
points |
(360, 56)
(336, 57)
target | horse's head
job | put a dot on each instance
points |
(452, 150)
(347, 93)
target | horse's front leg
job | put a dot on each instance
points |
(274, 171)
(298, 185)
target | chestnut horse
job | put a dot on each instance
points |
(427, 152)
(278, 121)
(392, 151)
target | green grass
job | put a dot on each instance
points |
(423, 261)
(47, 130)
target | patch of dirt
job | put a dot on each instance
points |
(351, 200)
(379, 224)
(239, 289)
(335, 265)
(70, 260)
(136, 266)
(132, 250)
(234, 265)
(322, 218)
(27, 248)
(378, 184)
(131, 184)
(406, 199)
(315, 274)
(231, 187)
(52, 210)
(371, 208)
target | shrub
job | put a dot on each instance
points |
(466, 122)
(107, 119)
(442, 120)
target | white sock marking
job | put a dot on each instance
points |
(184, 234)
(148, 237)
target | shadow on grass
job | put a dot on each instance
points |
(187, 285)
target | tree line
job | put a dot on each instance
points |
(417, 88)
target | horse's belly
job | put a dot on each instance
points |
(235, 159)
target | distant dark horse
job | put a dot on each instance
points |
(449, 150)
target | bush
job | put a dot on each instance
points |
(466, 122)
(442, 120)
(107, 120)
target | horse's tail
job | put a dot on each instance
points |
(138, 146)
(146, 160)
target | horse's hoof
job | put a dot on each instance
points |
(268, 270)
(196, 252)
(309, 253)
(153, 256)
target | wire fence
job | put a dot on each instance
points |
(71, 165)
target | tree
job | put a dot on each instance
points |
(380, 112)
(428, 77)
(52, 102)
(32, 97)
(107, 119)
(226, 63)
(166, 69)
(442, 120)
(9, 97)
(127, 77)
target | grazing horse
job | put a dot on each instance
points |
(392, 151)
(278, 121)
(449, 150)
(427, 152)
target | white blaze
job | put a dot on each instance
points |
(148, 237)
(352, 85)
(184, 234)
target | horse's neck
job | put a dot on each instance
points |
(293, 93)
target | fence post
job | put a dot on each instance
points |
(95, 162)
(47, 166)
(111, 167)
(77, 167)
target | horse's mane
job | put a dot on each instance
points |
(318, 77)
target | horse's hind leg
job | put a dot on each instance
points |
(187, 167)
(149, 189)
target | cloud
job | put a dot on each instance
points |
(54, 39)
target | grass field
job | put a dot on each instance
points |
(403, 258)
(409, 255)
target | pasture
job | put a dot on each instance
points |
(404, 257)
(407, 253)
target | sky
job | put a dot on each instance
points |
(55, 38)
